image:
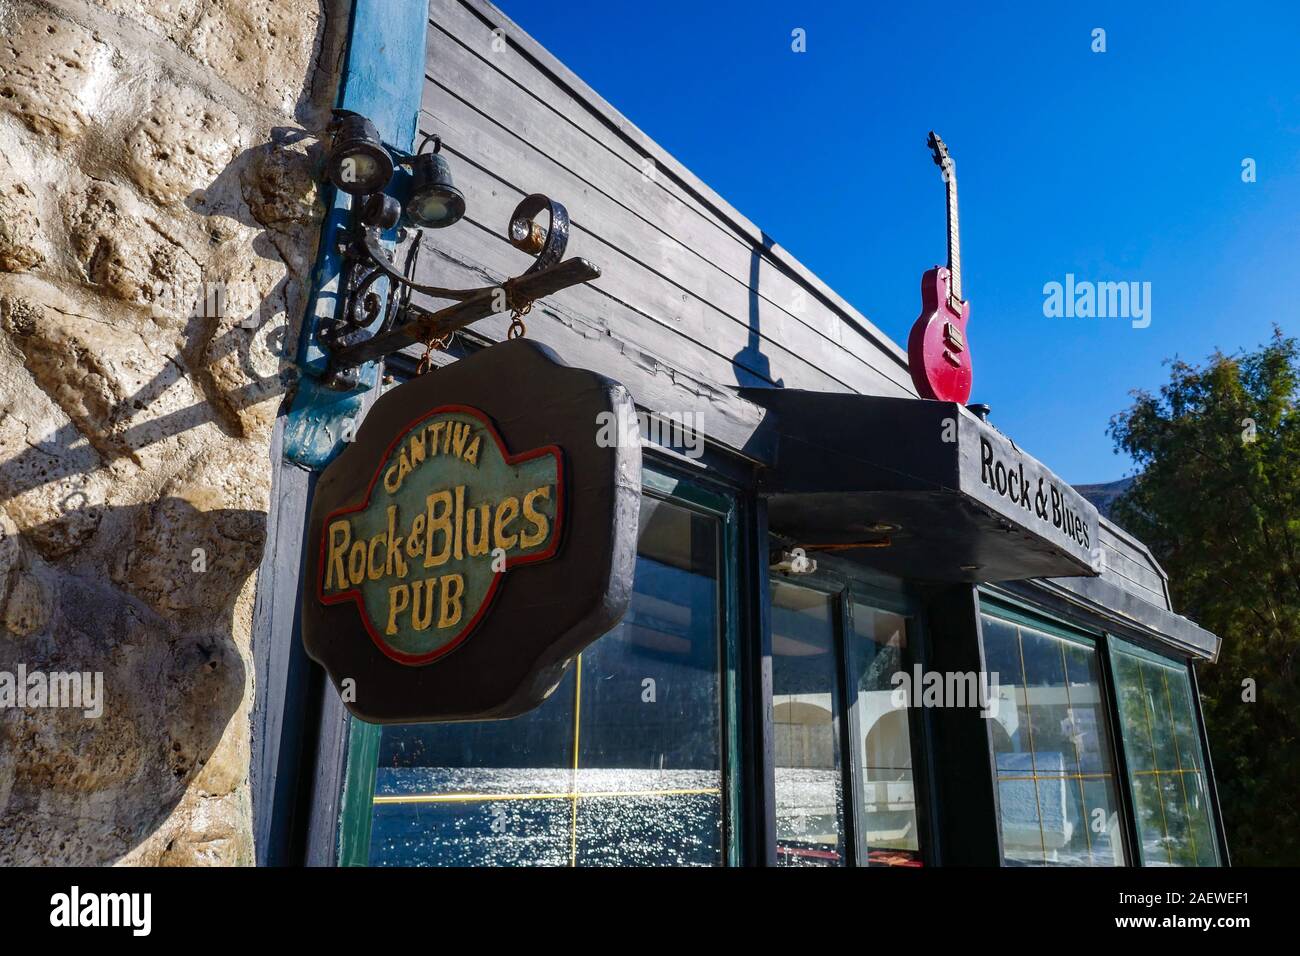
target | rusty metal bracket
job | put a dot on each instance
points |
(353, 338)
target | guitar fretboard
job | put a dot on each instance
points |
(954, 237)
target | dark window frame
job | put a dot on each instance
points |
(1017, 611)
(1176, 662)
(849, 583)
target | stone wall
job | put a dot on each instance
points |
(158, 220)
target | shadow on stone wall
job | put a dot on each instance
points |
(156, 624)
(151, 595)
(135, 430)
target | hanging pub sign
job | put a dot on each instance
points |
(472, 538)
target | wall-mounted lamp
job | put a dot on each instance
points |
(360, 164)
(434, 201)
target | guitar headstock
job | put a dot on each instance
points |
(940, 150)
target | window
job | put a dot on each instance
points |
(837, 728)
(805, 719)
(883, 737)
(1056, 783)
(622, 765)
(1165, 765)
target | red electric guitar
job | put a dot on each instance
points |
(938, 355)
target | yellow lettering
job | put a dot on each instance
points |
(394, 563)
(538, 520)
(450, 610)
(459, 438)
(417, 448)
(436, 523)
(335, 574)
(458, 551)
(507, 511)
(399, 599)
(413, 545)
(357, 562)
(391, 482)
(422, 612)
(477, 519)
(471, 453)
(372, 572)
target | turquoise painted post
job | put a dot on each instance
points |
(383, 78)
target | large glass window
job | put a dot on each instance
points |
(805, 719)
(1162, 747)
(622, 765)
(1055, 772)
(838, 728)
(883, 744)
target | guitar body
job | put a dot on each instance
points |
(938, 353)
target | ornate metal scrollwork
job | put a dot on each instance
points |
(353, 339)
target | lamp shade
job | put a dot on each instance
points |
(434, 202)
(358, 163)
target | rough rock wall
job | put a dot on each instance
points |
(158, 221)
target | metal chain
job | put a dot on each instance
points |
(439, 343)
(517, 328)
(518, 310)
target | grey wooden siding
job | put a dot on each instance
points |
(1129, 566)
(1132, 566)
(694, 299)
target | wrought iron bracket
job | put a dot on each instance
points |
(352, 338)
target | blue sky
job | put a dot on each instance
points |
(1116, 166)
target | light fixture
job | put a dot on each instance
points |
(433, 201)
(380, 210)
(358, 163)
(370, 323)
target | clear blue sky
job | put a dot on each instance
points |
(1115, 166)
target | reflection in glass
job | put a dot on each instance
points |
(809, 785)
(620, 766)
(1056, 782)
(1166, 770)
(876, 650)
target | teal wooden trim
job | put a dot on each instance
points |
(357, 809)
(382, 77)
(1018, 612)
(685, 491)
(732, 587)
(1119, 645)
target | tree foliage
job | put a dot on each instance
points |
(1217, 499)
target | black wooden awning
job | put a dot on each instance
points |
(921, 489)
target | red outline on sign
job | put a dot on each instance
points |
(355, 595)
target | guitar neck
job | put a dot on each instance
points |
(954, 236)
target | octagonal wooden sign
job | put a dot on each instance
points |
(475, 535)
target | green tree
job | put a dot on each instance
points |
(1217, 498)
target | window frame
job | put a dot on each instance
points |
(848, 584)
(1143, 650)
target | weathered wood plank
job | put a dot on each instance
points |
(745, 291)
(534, 72)
(477, 105)
(479, 254)
(1132, 576)
(780, 348)
(661, 368)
